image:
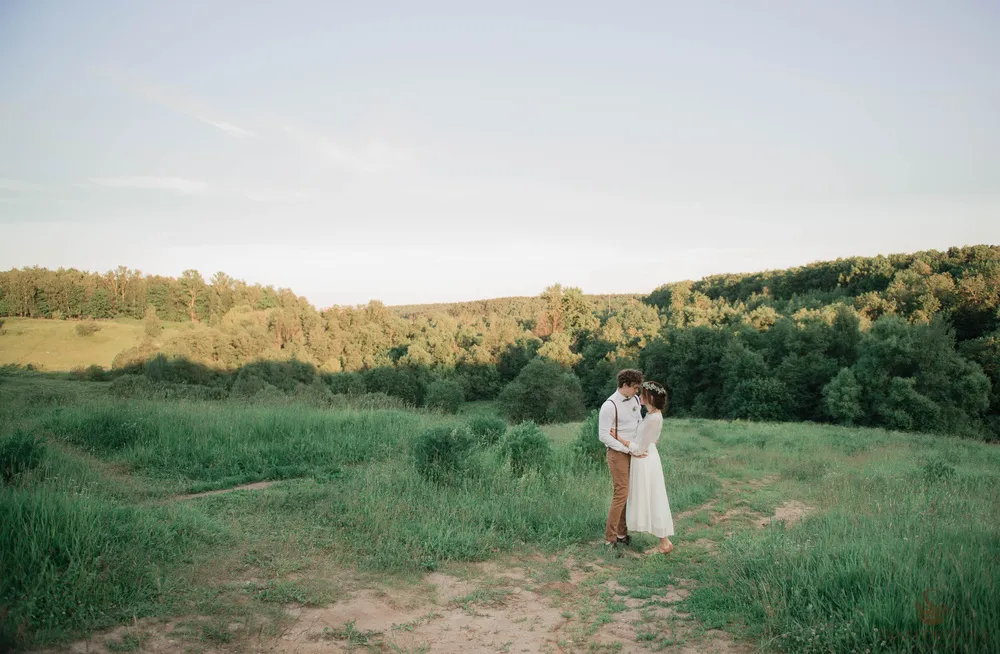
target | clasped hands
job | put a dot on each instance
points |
(614, 433)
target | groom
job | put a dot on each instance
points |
(624, 408)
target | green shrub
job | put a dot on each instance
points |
(346, 383)
(340, 401)
(407, 384)
(544, 392)
(842, 397)
(19, 453)
(376, 402)
(444, 395)
(247, 385)
(270, 396)
(758, 398)
(527, 448)
(139, 387)
(488, 429)
(588, 450)
(87, 328)
(132, 386)
(96, 373)
(479, 381)
(316, 394)
(934, 471)
(442, 454)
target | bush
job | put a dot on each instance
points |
(404, 383)
(87, 328)
(758, 398)
(19, 453)
(134, 386)
(284, 375)
(96, 373)
(488, 429)
(934, 471)
(131, 386)
(247, 385)
(543, 392)
(528, 449)
(588, 449)
(346, 383)
(442, 454)
(479, 381)
(151, 323)
(270, 396)
(316, 394)
(842, 397)
(376, 402)
(444, 395)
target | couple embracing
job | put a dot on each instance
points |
(640, 500)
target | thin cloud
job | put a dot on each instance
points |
(177, 101)
(183, 186)
(228, 128)
(375, 157)
(17, 185)
(274, 195)
(176, 184)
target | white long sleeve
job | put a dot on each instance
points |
(605, 421)
(648, 433)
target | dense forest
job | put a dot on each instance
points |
(905, 341)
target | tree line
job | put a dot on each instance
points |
(905, 341)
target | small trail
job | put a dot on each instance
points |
(257, 485)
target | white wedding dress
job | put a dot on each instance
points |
(648, 509)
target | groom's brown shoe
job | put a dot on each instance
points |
(627, 541)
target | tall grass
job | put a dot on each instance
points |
(896, 515)
(223, 444)
(74, 563)
(901, 556)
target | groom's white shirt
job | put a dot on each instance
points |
(629, 417)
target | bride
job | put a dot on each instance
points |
(648, 509)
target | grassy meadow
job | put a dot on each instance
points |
(898, 550)
(55, 345)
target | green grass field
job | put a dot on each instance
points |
(897, 546)
(54, 345)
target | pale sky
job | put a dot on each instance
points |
(430, 151)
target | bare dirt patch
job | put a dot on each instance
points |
(489, 607)
(790, 512)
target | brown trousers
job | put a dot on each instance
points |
(618, 464)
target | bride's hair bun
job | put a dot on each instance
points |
(656, 393)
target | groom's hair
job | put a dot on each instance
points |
(628, 377)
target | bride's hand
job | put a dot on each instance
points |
(614, 434)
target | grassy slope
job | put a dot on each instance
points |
(895, 515)
(54, 344)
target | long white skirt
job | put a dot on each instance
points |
(648, 509)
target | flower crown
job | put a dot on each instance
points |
(654, 387)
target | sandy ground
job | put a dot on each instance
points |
(491, 607)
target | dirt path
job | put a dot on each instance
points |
(257, 485)
(541, 604)
(570, 602)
